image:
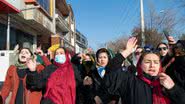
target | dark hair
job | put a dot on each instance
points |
(160, 44)
(182, 42)
(103, 50)
(179, 45)
(91, 56)
(60, 48)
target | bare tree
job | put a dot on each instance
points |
(182, 37)
(117, 44)
(152, 37)
(155, 24)
(163, 20)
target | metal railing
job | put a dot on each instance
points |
(61, 18)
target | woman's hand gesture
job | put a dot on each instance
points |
(130, 46)
(31, 64)
(166, 81)
(39, 51)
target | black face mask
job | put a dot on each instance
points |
(151, 78)
(88, 63)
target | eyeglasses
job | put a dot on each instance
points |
(162, 48)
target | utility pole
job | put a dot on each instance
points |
(8, 33)
(142, 24)
(54, 17)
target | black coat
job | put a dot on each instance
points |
(131, 89)
(177, 71)
(90, 91)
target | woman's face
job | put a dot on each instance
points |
(60, 51)
(24, 55)
(151, 64)
(163, 49)
(103, 59)
(87, 58)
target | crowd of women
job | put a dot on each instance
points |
(135, 75)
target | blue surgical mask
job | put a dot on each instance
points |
(60, 58)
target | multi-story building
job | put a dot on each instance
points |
(81, 42)
(33, 23)
(65, 26)
(32, 20)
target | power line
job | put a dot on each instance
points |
(127, 14)
(124, 15)
(134, 16)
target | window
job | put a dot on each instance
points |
(3, 37)
(83, 41)
(45, 4)
(78, 37)
(16, 37)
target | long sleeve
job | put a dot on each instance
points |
(7, 83)
(75, 59)
(113, 84)
(46, 60)
(166, 60)
(78, 76)
(116, 62)
(37, 81)
(177, 95)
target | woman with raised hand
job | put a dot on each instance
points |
(58, 79)
(15, 81)
(92, 82)
(150, 86)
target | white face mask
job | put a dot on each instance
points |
(60, 58)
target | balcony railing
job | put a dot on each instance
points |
(61, 19)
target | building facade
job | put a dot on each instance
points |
(81, 42)
(30, 23)
(26, 27)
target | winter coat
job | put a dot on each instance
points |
(11, 84)
(132, 89)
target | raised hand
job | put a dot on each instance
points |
(39, 51)
(130, 46)
(171, 40)
(166, 81)
(31, 64)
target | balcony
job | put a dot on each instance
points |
(81, 40)
(39, 21)
(62, 7)
(61, 23)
